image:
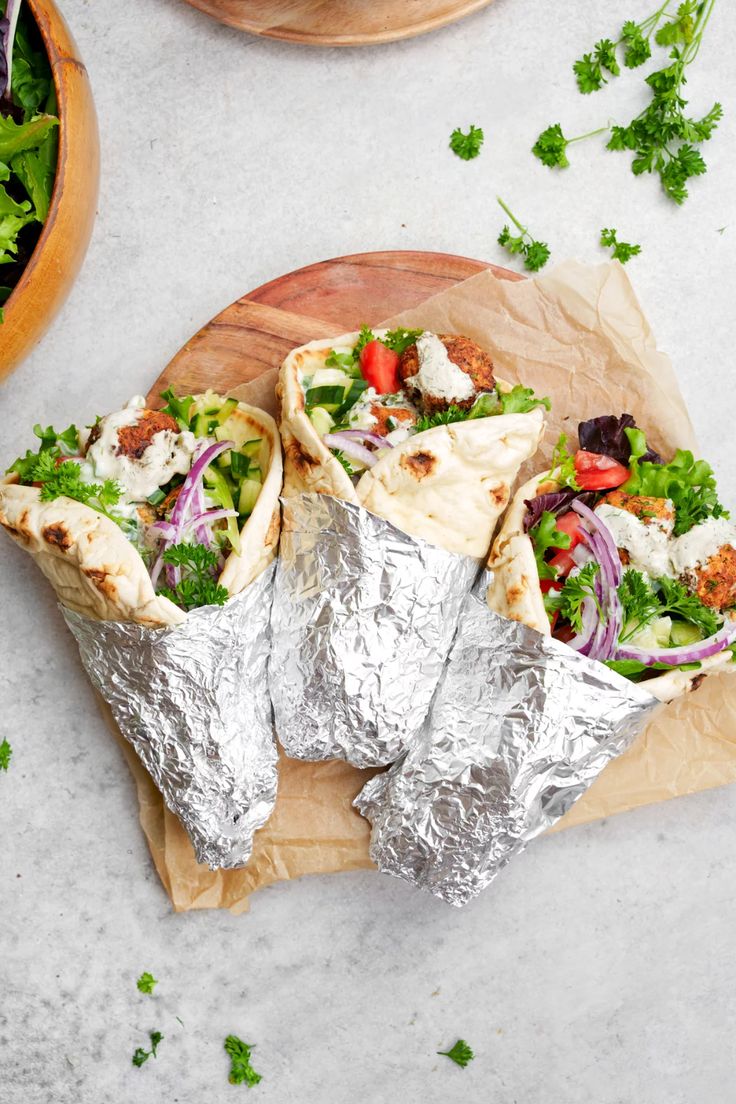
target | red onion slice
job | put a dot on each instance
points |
(364, 435)
(194, 479)
(601, 542)
(350, 448)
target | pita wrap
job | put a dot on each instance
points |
(96, 571)
(447, 485)
(515, 591)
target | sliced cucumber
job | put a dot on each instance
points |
(226, 410)
(329, 398)
(252, 448)
(683, 632)
(254, 472)
(321, 420)
(222, 493)
(330, 377)
(224, 459)
(239, 465)
(356, 389)
(201, 426)
(249, 492)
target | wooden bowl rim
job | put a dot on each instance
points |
(62, 102)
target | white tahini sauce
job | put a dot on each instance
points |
(438, 376)
(647, 545)
(359, 416)
(696, 547)
(168, 454)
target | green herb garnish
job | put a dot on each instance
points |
(551, 145)
(622, 251)
(467, 146)
(687, 482)
(535, 253)
(546, 535)
(64, 479)
(578, 587)
(519, 400)
(57, 444)
(146, 982)
(241, 1071)
(562, 465)
(140, 1056)
(198, 586)
(6, 753)
(460, 1053)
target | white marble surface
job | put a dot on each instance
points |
(601, 968)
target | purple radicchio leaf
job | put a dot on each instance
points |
(606, 435)
(556, 502)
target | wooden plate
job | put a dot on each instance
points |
(57, 258)
(254, 334)
(338, 22)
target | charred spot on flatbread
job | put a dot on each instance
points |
(516, 591)
(297, 455)
(418, 464)
(102, 580)
(696, 682)
(58, 535)
(499, 495)
(272, 534)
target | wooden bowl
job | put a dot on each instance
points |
(338, 22)
(57, 258)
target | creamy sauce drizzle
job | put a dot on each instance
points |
(167, 454)
(696, 547)
(438, 377)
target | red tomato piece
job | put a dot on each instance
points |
(562, 562)
(380, 367)
(571, 524)
(596, 472)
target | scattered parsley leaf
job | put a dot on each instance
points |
(589, 69)
(241, 1071)
(460, 1053)
(146, 982)
(441, 417)
(676, 600)
(467, 146)
(636, 45)
(551, 145)
(639, 602)
(622, 251)
(545, 535)
(6, 753)
(64, 480)
(364, 337)
(535, 253)
(140, 1055)
(344, 460)
(198, 586)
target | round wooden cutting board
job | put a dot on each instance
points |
(338, 22)
(255, 333)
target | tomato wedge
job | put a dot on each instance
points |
(596, 472)
(562, 562)
(571, 524)
(380, 367)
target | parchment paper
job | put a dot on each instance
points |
(579, 336)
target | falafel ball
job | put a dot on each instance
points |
(133, 440)
(466, 355)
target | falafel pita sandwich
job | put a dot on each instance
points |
(624, 557)
(401, 449)
(157, 529)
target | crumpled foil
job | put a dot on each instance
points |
(363, 618)
(520, 726)
(193, 701)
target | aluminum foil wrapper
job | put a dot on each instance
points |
(363, 618)
(520, 726)
(193, 701)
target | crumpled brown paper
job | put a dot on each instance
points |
(579, 336)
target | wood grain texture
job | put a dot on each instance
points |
(58, 256)
(254, 334)
(338, 22)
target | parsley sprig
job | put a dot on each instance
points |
(661, 137)
(635, 39)
(467, 146)
(57, 444)
(535, 253)
(241, 1071)
(64, 479)
(579, 586)
(622, 251)
(140, 1055)
(643, 603)
(6, 753)
(198, 585)
(460, 1053)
